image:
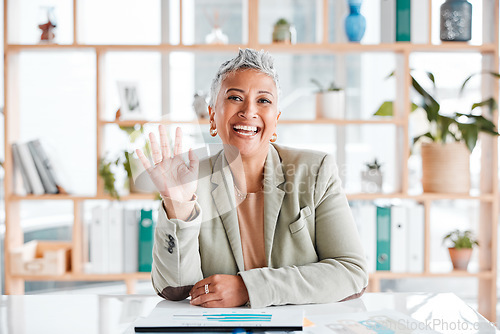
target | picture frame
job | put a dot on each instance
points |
(130, 101)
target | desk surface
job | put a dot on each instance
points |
(109, 314)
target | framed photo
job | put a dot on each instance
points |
(130, 105)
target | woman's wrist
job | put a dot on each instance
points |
(175, 209)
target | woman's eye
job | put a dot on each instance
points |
(264, 101)
(235, 98)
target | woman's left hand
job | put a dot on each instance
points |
(223, 291)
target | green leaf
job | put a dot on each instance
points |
(470, 133)
(490, 103)
(386, 109)
(430, 105)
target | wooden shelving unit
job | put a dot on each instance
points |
(488, 197)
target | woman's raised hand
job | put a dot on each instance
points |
(170, 174)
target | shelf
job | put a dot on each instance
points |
(400, 47)
(88, 277)
(454, 273)
(147, 275)
(55, 197)
(420, 197)
(357, 196)
(131, 123)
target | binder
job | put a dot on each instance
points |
(398, 237)
(403, 20)
(146, 234)
(131, 240)
(383, 238)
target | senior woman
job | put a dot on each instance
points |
(269, 225)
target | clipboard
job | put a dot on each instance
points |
(183, 317)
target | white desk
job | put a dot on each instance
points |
(109, 314)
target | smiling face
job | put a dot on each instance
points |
(246, 112)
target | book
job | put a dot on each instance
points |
(30, 168)
(48, 182)
(115, 238)
(146, 235)
(130, 240)
(419, 22)
(383, 237)
(51, 164)
(387, 21)
(399, 239)
(415, 233)
(403, 21)
(19, 167)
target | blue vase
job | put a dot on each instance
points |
(456, 19)
(355, 23)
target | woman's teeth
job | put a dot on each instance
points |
(245, 129)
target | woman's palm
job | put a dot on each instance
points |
(171, 176)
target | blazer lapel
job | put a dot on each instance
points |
(273, 197)
(225, 202)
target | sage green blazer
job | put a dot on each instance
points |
(313, 250)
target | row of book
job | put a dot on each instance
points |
(120, 239)
(392, 236)
(404, 21)
(37, 171)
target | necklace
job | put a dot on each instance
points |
(239, 195)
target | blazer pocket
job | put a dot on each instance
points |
(301, 222)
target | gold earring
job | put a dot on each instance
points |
(273, 137)
(213, 132)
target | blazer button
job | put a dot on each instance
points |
(170, 250)
(170, 237)
(171, 244)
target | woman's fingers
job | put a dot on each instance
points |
(144, 160)
(165, 147)
(155, 149)
(194, 163)
(178, 141)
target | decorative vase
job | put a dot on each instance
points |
(330, 104)
(355, 23)
(460, 257)
(284, 33)
(456, 19)
(445, 168)
(371, 181)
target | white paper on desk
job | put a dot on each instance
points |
(166, 318)
(377, 322)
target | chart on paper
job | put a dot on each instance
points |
(224, 317)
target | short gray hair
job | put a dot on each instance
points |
(261, 61)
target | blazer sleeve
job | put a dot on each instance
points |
(176, 258)
(341, 269)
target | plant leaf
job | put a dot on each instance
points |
(386, 109)
(430, 105)
(469, 134)
(491, 103)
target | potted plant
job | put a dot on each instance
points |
(372, 177)
(462, 243)
(284, 32)
(124, 161)
(330, 101)
(446, 147)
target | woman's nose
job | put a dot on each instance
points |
(249, 110)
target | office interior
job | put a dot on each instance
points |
(66, 92)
